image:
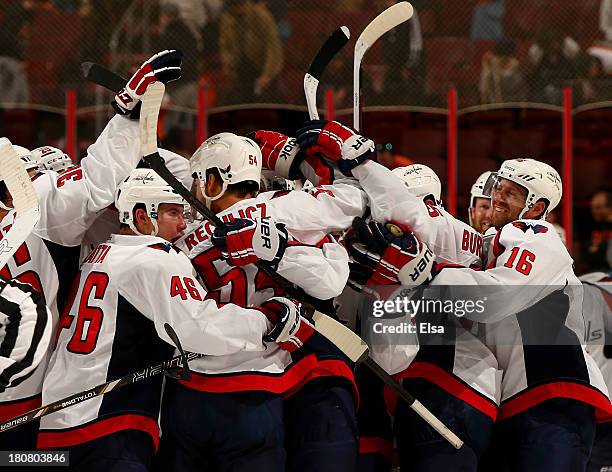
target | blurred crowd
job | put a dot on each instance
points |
(244, 50)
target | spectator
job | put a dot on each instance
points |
(195, 14)
(250, 50)
(13, 82)
(598, 252)
(487, 19)
(501, 79)
(605, 19)
(591, 81)
(552, 65)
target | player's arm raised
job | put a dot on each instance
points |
(70, 201)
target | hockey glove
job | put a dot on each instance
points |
(387, 254)
(335, 141)
(163, 67)
(280, 153)
(245, 241)
(291, 328)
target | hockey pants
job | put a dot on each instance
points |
(556, 435)
(422, 449)
(601, 454)
(321, 428)
(123, 451)
(220, 432)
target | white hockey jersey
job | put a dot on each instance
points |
(466, 368)
(312, 260)
(69, 202)
(597, 309)
(126, 290)
(535, 326)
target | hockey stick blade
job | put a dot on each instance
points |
(97, 391)
(183, 373)
(25, 202)
(102, 76)
(357, 350)
(334, 44)
(385, 21)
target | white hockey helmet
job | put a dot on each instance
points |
(272, 182)
(51, 158)
(147, 187)
(237, 158)
(26, 157)
(477, 190)
(421, 180)
(538, 178)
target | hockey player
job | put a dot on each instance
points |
(479, 211)
(552, 390)
(51, 158)
(597, 309)
(440, 380)
(421, 181)
(125, 291)
(69, 203)
(26, 332)
(287, 230)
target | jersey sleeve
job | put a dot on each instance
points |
(529, 263)
(321, 270)
(165, 290)
(25, 334)
(70, 201)
(450, 239)
(310, 216)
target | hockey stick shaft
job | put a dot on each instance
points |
(348, 342)
(357, 350)
(332, 46)
(97, 391)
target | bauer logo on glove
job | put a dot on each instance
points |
(387, 254)
(245, 241)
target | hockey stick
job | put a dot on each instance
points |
(101, 75)
(387, 20)
(24, 197)
(330, 48)
(357, 350)
(347, 341)
(102, 389)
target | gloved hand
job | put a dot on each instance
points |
(245, 241)
(163, 67)
(387, 254)
(335, 141)
(280, 153)
(291, 328)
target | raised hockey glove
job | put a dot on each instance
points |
(387, 254)
(291, 328)
(245, 241)
(163, 67)
(335, 141)
(280, 153)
